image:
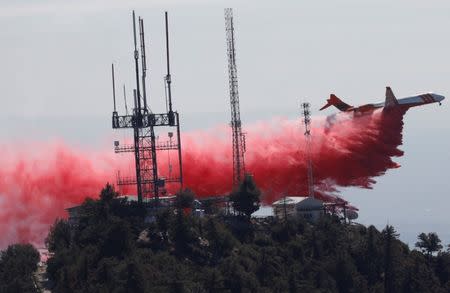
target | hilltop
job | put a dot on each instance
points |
(113, 248)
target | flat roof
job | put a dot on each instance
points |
(290, 200)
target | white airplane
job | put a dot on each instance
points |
(390, 102)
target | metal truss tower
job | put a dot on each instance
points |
(307, 121)
(143, 122)
(236, 125)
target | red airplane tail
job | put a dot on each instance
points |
(338, 103)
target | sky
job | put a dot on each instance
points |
(55, 84)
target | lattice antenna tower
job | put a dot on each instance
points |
(143, 122)
(305, 108)
(238, 139)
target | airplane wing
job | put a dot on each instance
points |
(391, 101)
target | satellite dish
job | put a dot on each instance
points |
(352, 215)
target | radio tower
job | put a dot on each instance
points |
(236, 125)
(143, 122)
(307, 122)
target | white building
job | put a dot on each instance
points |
(298, 206)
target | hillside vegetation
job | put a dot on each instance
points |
(112, 249)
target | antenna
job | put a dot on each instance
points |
(165, 95)
(168, 77)
(113, 86)
(144, 61)
(136, 65)
(307, 121)
(236, 125)
(135, 100)
(136, 127)
(125, 99)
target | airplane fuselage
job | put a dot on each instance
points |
(391, 102)
(407, 102)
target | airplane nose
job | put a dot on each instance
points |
(438, 98)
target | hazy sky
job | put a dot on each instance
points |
(55, 77)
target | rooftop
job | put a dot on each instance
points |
(292, 200)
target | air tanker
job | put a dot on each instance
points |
(390, 102)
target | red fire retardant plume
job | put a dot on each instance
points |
(38, 183)
(347, 150)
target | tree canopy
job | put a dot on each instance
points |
(17, 264)
(246, 199)
(117, 251)
(429, 243)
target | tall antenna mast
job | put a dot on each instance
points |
(168, 77)
(136, 65)
(307, 121)
(143, 61)
(236, 125)
(113, 87)
(174, 118)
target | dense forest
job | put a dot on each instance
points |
(114, 248)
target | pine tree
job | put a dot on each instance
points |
(429, 243)
(389, 237)
(246, 199)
